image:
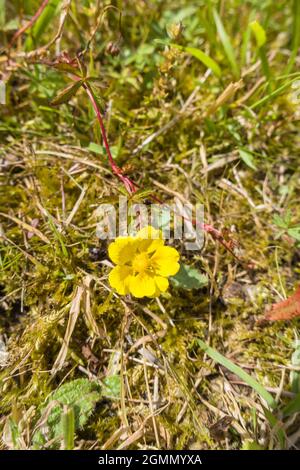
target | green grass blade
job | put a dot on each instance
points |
(292, 407)
(2, 13)
(204, 58)
(68, 427)
(237, 370)
(296, 35)
(272, 95)
(42, 24)
(225, 39)
(58, 236)
(276, 426)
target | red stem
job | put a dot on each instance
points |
(129, 185)
(30, 22)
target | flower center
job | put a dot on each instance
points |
(141, 262)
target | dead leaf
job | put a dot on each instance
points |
(286, 309)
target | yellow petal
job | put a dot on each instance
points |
(165, 261)
(149, 239)
(149, 232)
(142, 285)
(119, 278)
(122, 250)
(162, 283)
(150, 245)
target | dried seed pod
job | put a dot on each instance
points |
(112, 49)
(175, 30)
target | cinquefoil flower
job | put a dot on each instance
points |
(143, 264)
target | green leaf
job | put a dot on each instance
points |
(96, 148)
(229, 51)
(247, 158)
(252, 445)
(295, 15)
(279, 221)
(66, 94)
(294, 232)
(141, 194)
(2, 14)
(237, 370)
(97, 81)
(189, 278)
(204, 58)
(273, 94)
(292, 407)
(11, 25)
(112, 387)
(295, 374)
(276, 426)
(64, 67)
(81, 395)
(259, 33)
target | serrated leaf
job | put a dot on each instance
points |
(66, 94)
(294, 232)
(189, 278)
(112, 387)
(279, 221)
(259, 33)
(286, 309)
(204, 58)
(247, 158)
(96, 148)
(81, 395)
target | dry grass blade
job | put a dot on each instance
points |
(73, 316)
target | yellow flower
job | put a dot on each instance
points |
(143, 264)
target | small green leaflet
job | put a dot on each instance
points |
(81, 395)
(259, 33)
(204, 58)
(66, 94)
(247, 158)
(189, 278)
(294, 232)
